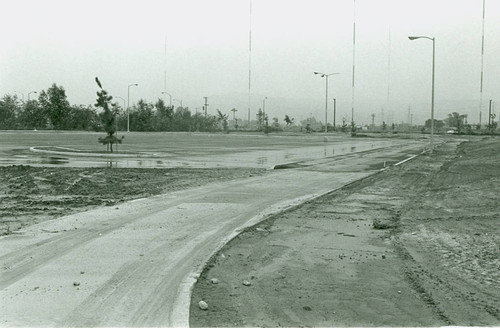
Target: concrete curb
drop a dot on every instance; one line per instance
(181, 309)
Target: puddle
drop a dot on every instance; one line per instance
(55, 160)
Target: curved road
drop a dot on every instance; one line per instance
(134, 264)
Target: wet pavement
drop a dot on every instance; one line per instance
(267, 155)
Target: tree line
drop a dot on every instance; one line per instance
(52, 111)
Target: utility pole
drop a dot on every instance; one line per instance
(334, 113)
(250, 63)
(353, 59)
(206, 105)
(482, 67)
(489, 118)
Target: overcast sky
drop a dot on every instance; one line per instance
(201, 48)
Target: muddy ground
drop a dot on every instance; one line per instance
(415, 245)
(29, 195)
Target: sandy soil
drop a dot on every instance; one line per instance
(29, 195)
(415, 245)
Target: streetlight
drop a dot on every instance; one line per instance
(180, 101)
(30, 93)
(334, 114)
(326, 102)
(164, 92)
(432, 99)
(128, 105)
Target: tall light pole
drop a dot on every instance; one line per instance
(326, 101)
(334, 113)
(264, 106)
(30, 93)
(164, 92)
(482, 66)
(353, 58)
(128, 105)
(250, 63)
(432, 98)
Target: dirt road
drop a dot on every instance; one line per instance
(133, 264)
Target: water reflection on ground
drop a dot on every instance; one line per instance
(258, 158)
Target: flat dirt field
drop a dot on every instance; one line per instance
(415, 245)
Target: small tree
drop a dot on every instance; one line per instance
(55, 106)
(493, 125)
(163, 116)
(107, 118)
(142, 116)
(260, 119)
(288, 120)
(438, 124)
(266, 124)
(8, 110)
(468, 129)
(343, 128)
(182, 119)
(223, 120)
(353, 128)
(456, 120)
